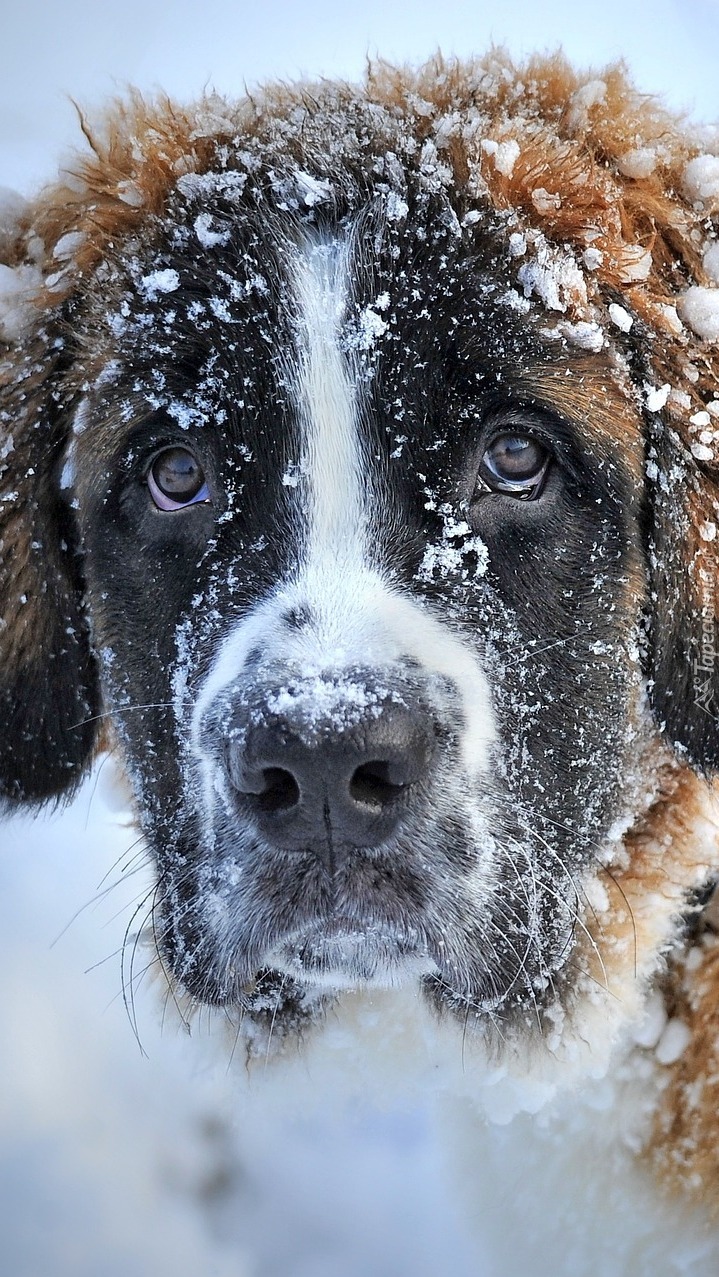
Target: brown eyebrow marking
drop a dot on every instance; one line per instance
(589, 392)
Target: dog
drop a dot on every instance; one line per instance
(359, 484)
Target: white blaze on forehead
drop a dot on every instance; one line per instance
(326, 388)
(356, 618)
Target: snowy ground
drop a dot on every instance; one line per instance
(114, 1162)
(89, 49)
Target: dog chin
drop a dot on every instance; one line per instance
(345, 955)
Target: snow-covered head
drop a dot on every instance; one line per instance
(358, 461)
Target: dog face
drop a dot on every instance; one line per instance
(385, 588)
(370, 564)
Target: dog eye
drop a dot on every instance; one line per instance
(176, 479)
(515, 465)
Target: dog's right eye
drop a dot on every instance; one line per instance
(514, 464)
(176, 479)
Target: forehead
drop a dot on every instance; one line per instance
(201, 318)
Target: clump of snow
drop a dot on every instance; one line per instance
(592, 258)
(700, 419)
(708, 531)
(544, 202)
(448, 557)
(56, 281)
(554, 276)
(710, 261)
(699, 308)
(504, 154)
(313, 190)
(434, 176)
(700, 180)
(635, 264)
(371, 326)
(323, 702)
(68, 245)
(204, 185)
(582, 101)
(129, 193)
(515, 301)
(446, 128)
(159, 281)
(673, 1043)
(637, 163)
(585, 334)
(517, 244)
(208, 237)
(12, 210)
(213, 118)
(620, 317)
(292, 475)
(669, 314)
(19, 287)
(396, 209)
(680, 398)
(701, 452)
(656, 396)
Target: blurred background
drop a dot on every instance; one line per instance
(87, 50)
(115, 1159)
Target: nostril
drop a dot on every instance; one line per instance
(279, 792)
(371, 786)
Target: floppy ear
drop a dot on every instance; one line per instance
(48, 678)
(683, 638)
(49, 686)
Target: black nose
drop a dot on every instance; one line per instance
(328, 786)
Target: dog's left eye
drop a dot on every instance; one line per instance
(515, 465)
(176, 479)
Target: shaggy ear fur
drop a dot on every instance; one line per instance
(48, 681)
(683, 649)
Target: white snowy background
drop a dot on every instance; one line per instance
(112, 1161)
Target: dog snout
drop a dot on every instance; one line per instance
(331, 781)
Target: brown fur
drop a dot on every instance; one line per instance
(684, 1145)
